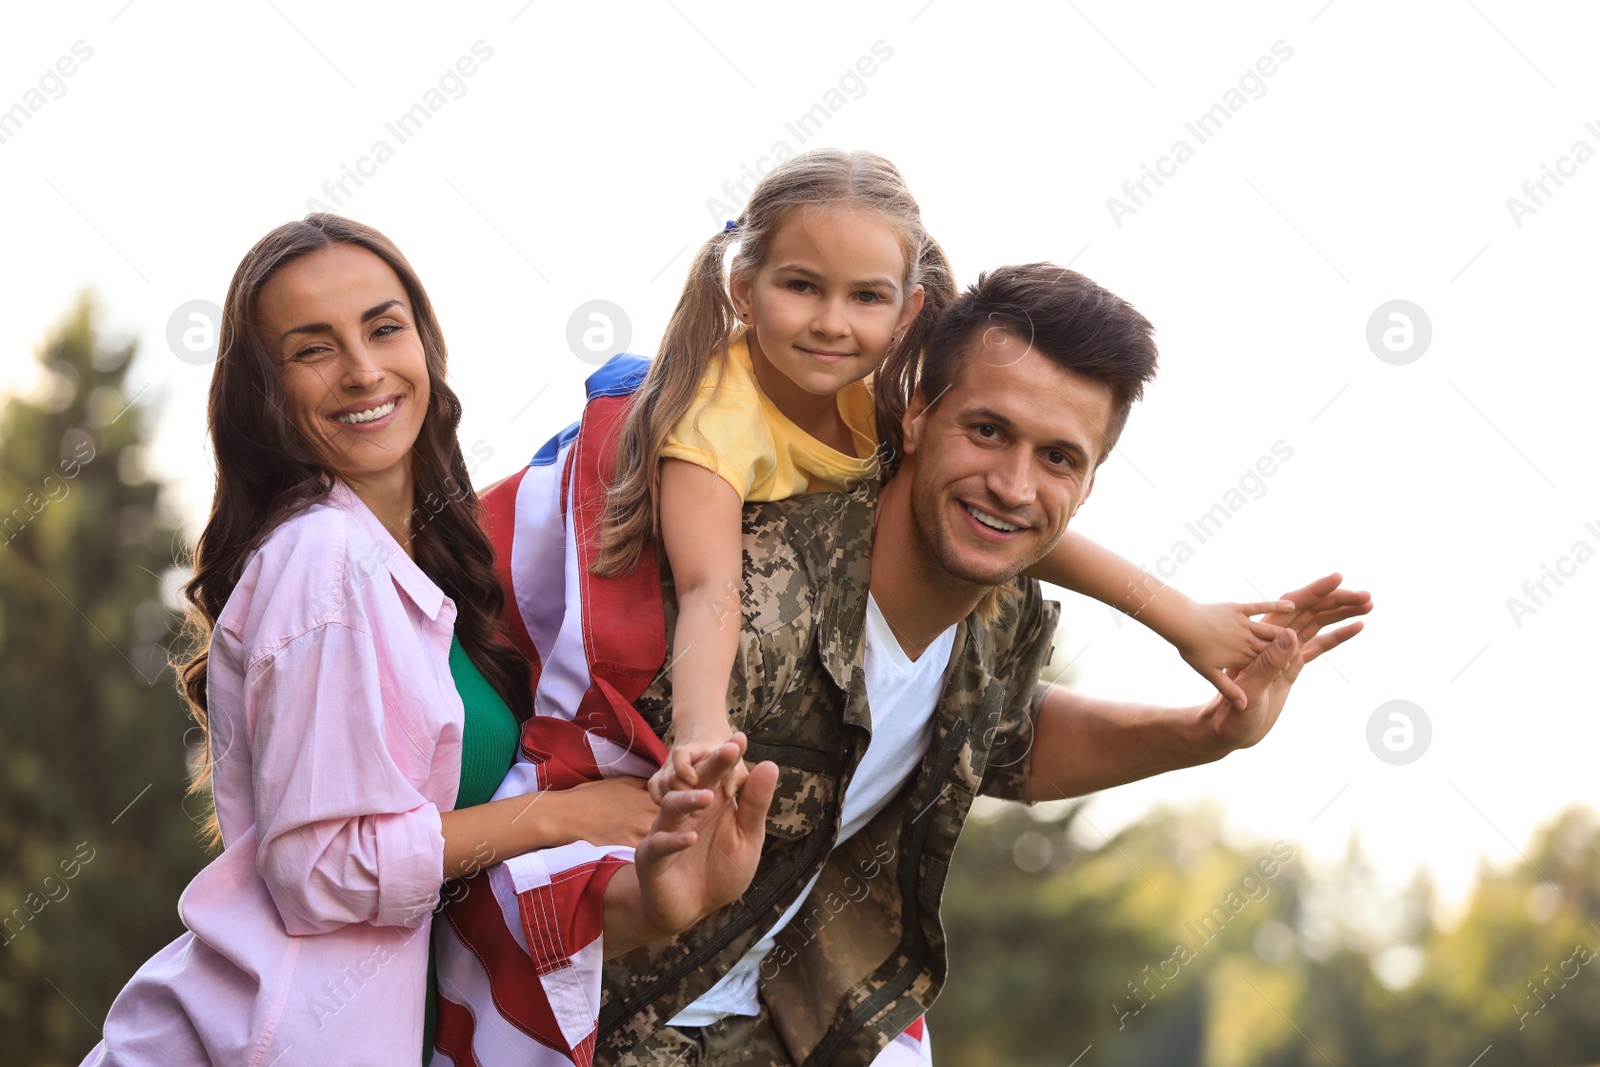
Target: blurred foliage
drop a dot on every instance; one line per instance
(96, 842)
(1167, 945)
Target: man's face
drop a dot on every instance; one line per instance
(1002, 460)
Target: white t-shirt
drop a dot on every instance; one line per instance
(901, 694)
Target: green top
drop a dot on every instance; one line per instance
(489, 736)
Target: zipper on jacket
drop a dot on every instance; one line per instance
(826, 1052)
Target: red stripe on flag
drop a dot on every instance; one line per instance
(578, 896)
(518, 994)
(560, 749)
(609, 714)
(625, 634)
(569, 913)
(454, 1034)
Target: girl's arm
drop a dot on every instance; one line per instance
(1078, 564)
(702, 535)
(1212, 638)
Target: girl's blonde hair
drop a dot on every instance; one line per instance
(703, 324)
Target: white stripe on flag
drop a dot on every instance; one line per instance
(564, 676)
(534, 869)
(574, 992)
(536, 541)
(615, 761)
(521, 780)
(502, 882)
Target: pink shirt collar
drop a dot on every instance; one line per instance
(411, 579)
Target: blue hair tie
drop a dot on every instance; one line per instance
(730, 227)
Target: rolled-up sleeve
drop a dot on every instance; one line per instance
(1008, 774)
(342, 834)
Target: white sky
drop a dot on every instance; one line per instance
(579, 161)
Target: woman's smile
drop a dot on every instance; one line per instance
(368, 416)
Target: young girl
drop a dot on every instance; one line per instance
(354, 690)
(761, 391)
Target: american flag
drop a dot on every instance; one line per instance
(519, 951)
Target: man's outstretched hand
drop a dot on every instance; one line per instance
(1267, 679)
(699, 856)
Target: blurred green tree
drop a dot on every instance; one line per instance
(1135, 948)
(1057, 946)
(1521, 971)
(92, 731)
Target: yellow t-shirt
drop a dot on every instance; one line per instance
(734, 429)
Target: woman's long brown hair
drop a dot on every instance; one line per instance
(266, 471)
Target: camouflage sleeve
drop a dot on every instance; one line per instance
(1031, 621)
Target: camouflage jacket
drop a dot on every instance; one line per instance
(867, 956)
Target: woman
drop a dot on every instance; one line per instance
(354, 689)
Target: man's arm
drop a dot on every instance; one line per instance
(1082, 744)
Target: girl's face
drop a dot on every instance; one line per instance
(340, 328)
(829, 298)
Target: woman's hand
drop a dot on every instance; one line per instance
(612, 811)
(616, 811)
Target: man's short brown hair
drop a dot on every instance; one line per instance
(1064, 316)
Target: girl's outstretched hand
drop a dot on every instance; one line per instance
(1217, 638)
(1306, 633)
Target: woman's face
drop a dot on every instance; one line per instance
(341, 330)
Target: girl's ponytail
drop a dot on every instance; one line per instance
(698, 333)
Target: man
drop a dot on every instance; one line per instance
(889, 665)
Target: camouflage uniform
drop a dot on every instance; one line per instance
(867, 957)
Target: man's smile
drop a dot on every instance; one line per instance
(990, 521)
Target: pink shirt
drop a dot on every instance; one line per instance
(336, 740)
